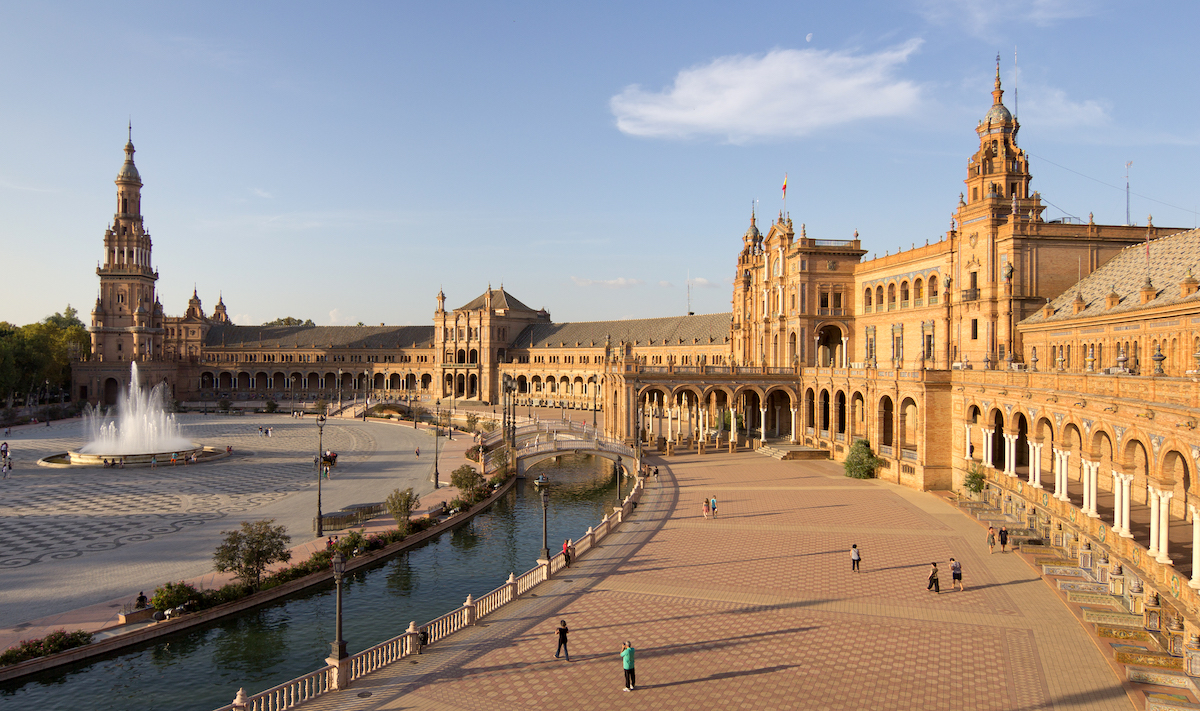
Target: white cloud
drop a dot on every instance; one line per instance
(702, 283)
(261, 193)
(666, 284)
(243, 320)
(336, 317)
(980, 17)
(1046, 107)
(786, 92)
(618, 283)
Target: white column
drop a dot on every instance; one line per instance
(1152, 503)
(733, 435)
(845, 352)
(1060, 483)
(967, 448)
(1085, 476)
(1065, 473)
(1116, 488)
(1035, 465)
(1126, 491)
(793, 425)
(1194, 583)
(762, 426)
(1164, 526)
(1010, 454)
(1094, 475)
(670, 428)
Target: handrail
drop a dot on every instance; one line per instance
(287, 695)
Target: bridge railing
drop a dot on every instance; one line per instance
(332, 678)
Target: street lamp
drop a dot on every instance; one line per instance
(320, 466)
(595, 389)
(617, 474)
(637, 405)
(339, 389)
(339, 568)
(545, 506)
(366, 396)
(292, 393)
(437, 427)
(408, 397)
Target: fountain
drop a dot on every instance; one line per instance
(142, 430)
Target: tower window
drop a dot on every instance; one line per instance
(974, 329)
(124, 205)
(974, 194)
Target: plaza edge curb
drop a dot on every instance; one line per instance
(162, 629)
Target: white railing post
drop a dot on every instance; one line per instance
(412, 639)
(239, 701)
(511, 583)
(469, 607)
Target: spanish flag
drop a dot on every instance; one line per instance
(785, 186)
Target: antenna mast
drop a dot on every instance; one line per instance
(689, 292)
(1127, 164)
(1016, 77)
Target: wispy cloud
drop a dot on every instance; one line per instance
(702, 283)
(666, 284)
(6, 185)
(1050, 108)
(784, 93)
(243, 320)
(336, 317)
(261, 193)
(618, 283)
(980, 17)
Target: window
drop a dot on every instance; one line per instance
(974, 329)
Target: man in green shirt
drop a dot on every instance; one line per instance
(627, 664)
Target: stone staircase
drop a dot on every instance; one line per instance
(791, 452)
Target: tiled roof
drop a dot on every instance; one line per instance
(641, 332)
(1170, 259)
(319, 336)
(501, 299)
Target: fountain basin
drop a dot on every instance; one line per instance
(81, 459)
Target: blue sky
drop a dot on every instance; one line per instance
(342, 162)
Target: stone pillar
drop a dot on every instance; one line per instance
(777, 421)
(1035, 465)
(670, 428)
(1086, 473)
(1164, 526)
(794, 425)
(762, 426)
(1010, 454)
(1152, 503)
(1194, 583)
(1116, 487)
(967, 446)
(1064, 467)
(987, 445)
(845, 351)
(733, 430)
(1126, 491)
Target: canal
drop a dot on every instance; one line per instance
(202, 669)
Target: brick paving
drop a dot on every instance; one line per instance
(758, 609)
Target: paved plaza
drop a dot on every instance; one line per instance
(759, 609)
(70, 538)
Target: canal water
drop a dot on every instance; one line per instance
(203, 668)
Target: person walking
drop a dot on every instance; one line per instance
(1004, 539)
(705, 509)
(956, 575)
(562, 631)
(713, 503)
(567, 552)
(627, 665)
(855, 558)
(991, 539)
(418, 452)
(933, 579)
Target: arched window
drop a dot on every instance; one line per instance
(904, 292)
(891, 296)
(918, 290)
(867, 298)
(933, 288)
(878, 297)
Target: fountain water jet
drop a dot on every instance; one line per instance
(142, 429)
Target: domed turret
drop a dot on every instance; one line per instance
(999, 113)
(129, 171)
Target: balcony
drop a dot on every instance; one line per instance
(970, 294)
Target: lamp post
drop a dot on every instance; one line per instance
(292, 393)
(637, 431)
(339, 389)
(366, 395)
(320, 466)
(617, 475)
(339, 645)
(409, 400)
(545, 506)
(595, 388)
(437, 426)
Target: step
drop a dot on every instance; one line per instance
(1082, 586)
(1169, 702)
(1112, 618)
(1124, 634)
(1063, 571)
(1161, 677)
(1139, 656)
(1084, 597)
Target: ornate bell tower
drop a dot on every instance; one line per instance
(127, 318)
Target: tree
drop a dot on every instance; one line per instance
(472, 421)
(290, 321)
(975, 479)
(66, 319)
(861, 462)
(248, 552)
(466, 479)
(401, 504)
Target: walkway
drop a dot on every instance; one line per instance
(758, 610)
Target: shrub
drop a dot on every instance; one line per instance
(171, 595)
(401, 504)
(861, 462)
(224, 405)
(472, 421)
(249, 551)
(53, 643)
(320, 406)
(488, 425)
(271, 406)
(975, 479)
(466, 479)
(473, 453)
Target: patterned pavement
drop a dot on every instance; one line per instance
(758, 609)
(72, 538)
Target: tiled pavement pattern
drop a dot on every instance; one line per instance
(78, 537)
(759, 610)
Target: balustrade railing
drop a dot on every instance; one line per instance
(286, 696)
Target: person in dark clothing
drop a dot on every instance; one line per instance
(562, 640)
(855, 558)
(1003, 539)
(933, 579)
(627, 665)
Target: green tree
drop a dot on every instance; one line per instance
(861, 462)
(401, 504)
(66, 319)
(466, 479)
(472, 421)
(290, 321)
(975, 479)
(249, 551)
